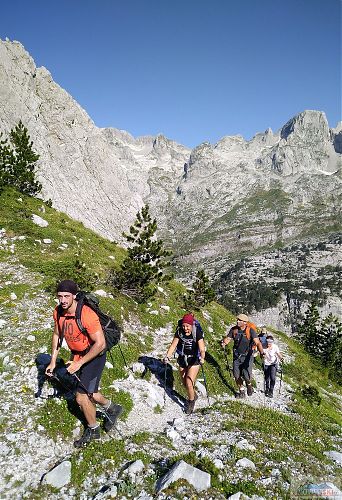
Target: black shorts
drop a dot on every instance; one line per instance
(186, 361)
(90, 375)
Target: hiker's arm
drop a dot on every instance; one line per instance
(96, 348)
(225, 341)
(54, 351)
(171, 349)
(259, 346)
(201, 347)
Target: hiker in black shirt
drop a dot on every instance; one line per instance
(189, 343)
(244, 337)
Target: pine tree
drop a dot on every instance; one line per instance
(6, 160)
(201, 294)
(331, 349)
(143, 267)
(23, 161)
(307, 330)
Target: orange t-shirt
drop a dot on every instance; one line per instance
(76, 340)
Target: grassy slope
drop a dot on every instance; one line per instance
(300, 439)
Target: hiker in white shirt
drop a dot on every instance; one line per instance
(271, 360)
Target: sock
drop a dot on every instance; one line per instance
(95, 426)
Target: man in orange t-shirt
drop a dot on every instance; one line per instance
(88, 357)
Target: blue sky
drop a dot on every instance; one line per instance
(194, 70)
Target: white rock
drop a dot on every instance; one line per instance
(59, 476)
(4, 449)
(39, 221)
(275, 472)
(2, 323)
(178, 424)
(135, 467)
(154, 312)
(31, 338)
(138, 368)
(172, 434)
(245, 463)
(218, 463)
(47, 241)
(101, 293)
(200, 388)
(108, 365)
(166, 308)
(20, 199)
(181, 470)
(334, 455)
(245, 445)
(210, 329)
(111, 257)
(160, 289)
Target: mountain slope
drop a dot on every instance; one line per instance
(216, 205)
(285, 438)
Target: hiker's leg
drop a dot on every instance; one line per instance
(88, 408)
(246, 370)
(89, 379)
(99, 398)
(267, 378)
(273, 371)
(190, 380)
(237, 374)
(182, 372)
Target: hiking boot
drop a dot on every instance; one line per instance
(112, 414)
(240, 394)
(190, 407)
(270, 394)
(249, 389)
(88, 435)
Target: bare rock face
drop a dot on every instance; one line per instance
(213, 204)
(80, 171)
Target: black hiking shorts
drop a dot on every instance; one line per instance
(242, 367)
(90, 375)
(186, 361)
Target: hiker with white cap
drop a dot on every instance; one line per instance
(244, 336)
(271, 360)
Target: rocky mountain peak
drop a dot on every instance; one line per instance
(307, 123)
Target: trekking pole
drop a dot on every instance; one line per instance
(281, 377)
(205, 383)
(165, 368)
(227, 361)
(123, 357)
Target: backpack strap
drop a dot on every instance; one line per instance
(78, 315)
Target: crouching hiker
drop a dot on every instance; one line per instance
(189, 344)
(244, 337)
(271, 361)
(88, 357)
